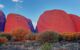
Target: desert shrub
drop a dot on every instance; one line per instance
(6, 35)
(3, 40)
(70, 36)
(19, 34)
(9, 37)
(77, 34)
(30, 36)
(46, 46)
(60, 38)
(48, 36)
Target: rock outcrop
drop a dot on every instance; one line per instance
(15, 21)
(55, 20)
(76, 20)
(2, 21)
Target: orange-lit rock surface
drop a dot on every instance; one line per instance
(55, 20)
(76, 20)
(16, 21)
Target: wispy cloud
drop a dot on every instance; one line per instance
(17, 0)
(1, 6)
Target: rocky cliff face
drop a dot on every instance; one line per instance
(31, 25)
(2, 21)
(76, 20)
(15, 21)
(55, 20)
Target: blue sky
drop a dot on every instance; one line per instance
(32, 9)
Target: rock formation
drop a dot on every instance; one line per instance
(55, 20)
(15, 21)
(76, 20)
(2, 21)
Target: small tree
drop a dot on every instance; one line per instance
(19, 34)
(48, 36)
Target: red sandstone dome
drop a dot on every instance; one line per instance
(76, 20)
(15, 21)
(55, 20)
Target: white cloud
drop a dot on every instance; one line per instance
(21, 1)
(17, 0)
(1, 6)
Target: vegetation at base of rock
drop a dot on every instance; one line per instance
(48, 36)
(43, 37)
(30, 37)
(46, 46)
(19, 34)
(68, 36)
(3, 40)
(6, 35)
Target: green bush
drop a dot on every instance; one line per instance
(69, 36)
(30, 36)
(46, 46)
(6, 35)
(48, 36)
(3, 40)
